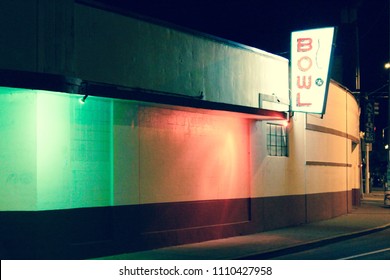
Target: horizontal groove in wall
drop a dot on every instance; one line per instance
(332, 131)
(323, 163)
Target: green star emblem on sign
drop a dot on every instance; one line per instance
(319, 82)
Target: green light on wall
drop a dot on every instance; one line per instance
(74, 151)
(55, 152)
(17, 149)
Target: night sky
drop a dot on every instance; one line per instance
(267, 25)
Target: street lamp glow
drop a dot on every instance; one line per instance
(387, 65)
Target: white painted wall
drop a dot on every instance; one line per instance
(342, 116)
(131, 52)
(278, 176)
(275, 176)
(59, 154)
(71, 39)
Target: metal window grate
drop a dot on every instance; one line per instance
(277, 140)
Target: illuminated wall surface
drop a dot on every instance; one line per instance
(138, 53)
(18, 153)
(323, 152)
(340, 148)
(146, 55)
(54, 153)
(57, 153)
(159, 166)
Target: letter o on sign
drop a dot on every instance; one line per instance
(304, 63)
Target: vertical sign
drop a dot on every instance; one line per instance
(369, 131)
(311, 52)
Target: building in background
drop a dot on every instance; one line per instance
(180, 137)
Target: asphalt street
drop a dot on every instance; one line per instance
(374, 246)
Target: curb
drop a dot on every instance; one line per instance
(310, 245)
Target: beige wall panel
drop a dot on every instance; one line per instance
(324, 179)
(326, 147)
(335, 116)
(339, 143)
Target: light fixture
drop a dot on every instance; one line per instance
(387, 65)
(82, 100)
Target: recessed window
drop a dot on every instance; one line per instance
(277, 141)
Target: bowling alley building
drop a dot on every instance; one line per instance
(122, 134)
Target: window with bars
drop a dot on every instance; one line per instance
(277, 140)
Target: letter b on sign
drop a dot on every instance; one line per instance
(304, 44)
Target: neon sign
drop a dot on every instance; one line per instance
(311, 52)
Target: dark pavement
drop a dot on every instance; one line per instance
(371, 216)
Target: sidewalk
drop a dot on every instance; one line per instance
(371, 216)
